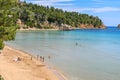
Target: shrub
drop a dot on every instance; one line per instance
(1, 78)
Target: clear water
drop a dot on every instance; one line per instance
(79, 54)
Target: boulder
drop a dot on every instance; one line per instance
(66, 27)
(118, 25)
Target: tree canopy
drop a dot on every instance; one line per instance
(7, 21)
(36, 15)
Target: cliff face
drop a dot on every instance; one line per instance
(47, 25)
(90, 26)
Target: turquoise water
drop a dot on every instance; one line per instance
(79, 54)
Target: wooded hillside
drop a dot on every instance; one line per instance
(34, 15)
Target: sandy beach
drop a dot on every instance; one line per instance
(27, 68)
(34, 29)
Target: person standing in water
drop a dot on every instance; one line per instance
(49, 57)
(76, 43)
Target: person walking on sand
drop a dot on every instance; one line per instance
(49, 57)
(37, 57)
(43, 59)
(76, 43)
(31, 58)
(40, 58)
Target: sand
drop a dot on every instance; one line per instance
(25, 69)
(34, 29)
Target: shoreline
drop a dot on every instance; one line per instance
(39, 70)
(34, 29)
(37, 29)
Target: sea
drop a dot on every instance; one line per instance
(83, 54)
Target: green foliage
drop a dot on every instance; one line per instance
(1, 44)
(33, 15)
(7, 20)
(1, 78)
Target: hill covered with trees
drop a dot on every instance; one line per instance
(33, 15)
(7, 20)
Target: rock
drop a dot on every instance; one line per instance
(66, 27)
(118, 25)
(90, 26)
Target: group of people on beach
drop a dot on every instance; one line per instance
(42, 58)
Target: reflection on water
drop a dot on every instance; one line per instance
(79, 54)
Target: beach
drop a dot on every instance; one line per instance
(27, 68)
(35, 29)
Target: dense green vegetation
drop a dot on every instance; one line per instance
(7, 20)
(1, 78)
(36, 15)
(33, 15)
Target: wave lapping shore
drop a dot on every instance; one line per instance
(27, 68)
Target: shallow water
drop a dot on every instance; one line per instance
(79, 54)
